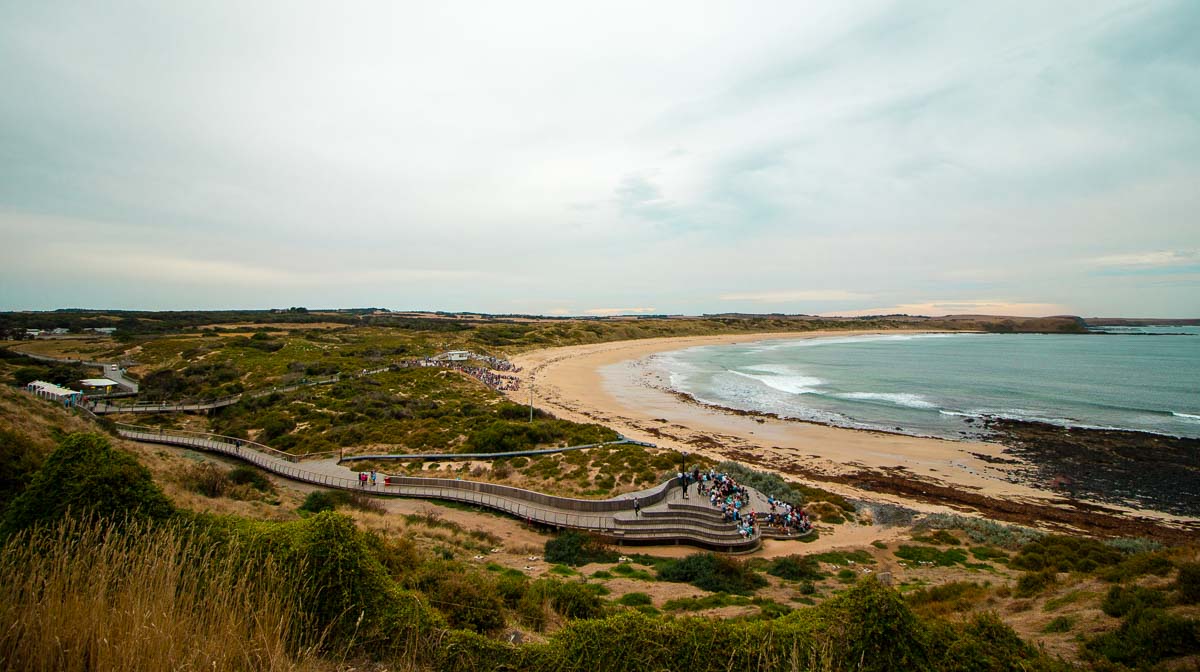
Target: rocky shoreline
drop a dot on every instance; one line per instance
(1128, 468)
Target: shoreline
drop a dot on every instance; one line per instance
(610, 384)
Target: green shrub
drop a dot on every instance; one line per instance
(1140, 564)
(318, 501)
(205, 478)
(1147, 636)
(469, 601)
(1188, 582)
(934, 556)
(711, 572)
(956, 596)
(250, 476)
(1066, 554)
(982, 531)
(571, 600)
(1032, 583)
(578, 548)
(987, 643)
(1122, 600)
(844, 557)
(635, 599)
(86, 475)
(938, 537)
(795, 568)
(20, 458)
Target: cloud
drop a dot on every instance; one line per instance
(617, 311)
(1148, 260)
(793, 296)
(430, 155)
(960, 307)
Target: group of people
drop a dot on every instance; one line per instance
(487, 376)
(365, 477)
(733, 499)
(496, 381)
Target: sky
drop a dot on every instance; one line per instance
(1020, 158)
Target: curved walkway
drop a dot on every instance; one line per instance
(666, 517)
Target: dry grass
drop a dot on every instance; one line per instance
(85, 597)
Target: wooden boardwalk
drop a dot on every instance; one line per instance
(666, 517)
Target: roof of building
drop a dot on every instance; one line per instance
(98, 382)
(51, 388)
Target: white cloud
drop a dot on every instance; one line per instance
(452, 157)
(793, 296)
(960, 307)
(1156, 259)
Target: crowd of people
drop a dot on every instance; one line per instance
(733, 499)
(487, 375)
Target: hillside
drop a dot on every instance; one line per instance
(960, 584)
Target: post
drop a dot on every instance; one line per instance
(531, 401)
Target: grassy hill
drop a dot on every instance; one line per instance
(262, 582)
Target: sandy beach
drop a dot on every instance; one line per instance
(611, 384)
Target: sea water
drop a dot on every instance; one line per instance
(1144, 379)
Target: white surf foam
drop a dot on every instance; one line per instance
(789, 384)
(1186, 417)
(906, 399)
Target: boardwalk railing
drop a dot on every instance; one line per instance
(536, 507)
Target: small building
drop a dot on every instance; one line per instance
(63, 395)
(457, 356)
(103, 385)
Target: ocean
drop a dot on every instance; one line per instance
(1143, 379)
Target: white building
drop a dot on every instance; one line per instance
(66, 396)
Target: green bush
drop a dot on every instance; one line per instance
(1066, 554)
(938, 537)
(934, 556)
(20, 458)
(795, 568)
(86, 475)
(469, 601)
(985, 643)
(205, 478)
(1032, 583)
(711, 572)
(1147, 636)
(250, 476)
(318, 501)
(1122, 600)
(1188, 582)
(635, 600)
(577, 548)
(571, 600)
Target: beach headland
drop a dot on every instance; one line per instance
(611, 384)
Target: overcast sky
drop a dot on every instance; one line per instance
(566, 158)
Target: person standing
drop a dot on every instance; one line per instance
(637, 507)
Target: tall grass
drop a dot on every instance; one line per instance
(85, 596)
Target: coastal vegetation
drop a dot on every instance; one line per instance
(329, 580)
(321, 588)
